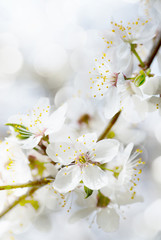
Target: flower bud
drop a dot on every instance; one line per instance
(140, 79)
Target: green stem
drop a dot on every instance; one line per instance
(109, 126)
(133, 49)
(103, 168)
(40, 182)
(17, 201)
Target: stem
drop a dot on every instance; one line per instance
(40, 182)
(133, 46)
(153, 52)
(110, 125)
(16, 202)
(107, 169)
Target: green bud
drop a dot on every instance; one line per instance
(140, 79)
(22, 131)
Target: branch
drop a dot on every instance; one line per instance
(109, 126)
(35, 186)
(16, 202)
(153, 52)
(40, 182)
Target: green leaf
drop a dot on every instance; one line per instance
(88, 191)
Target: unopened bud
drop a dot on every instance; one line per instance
(140, 79)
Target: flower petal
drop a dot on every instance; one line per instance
(89, 139)
(106, 150)
(61, 152)
(108, 220)
(63, 95)
(83, 213)
(31, 142)
(56, 120)
(94, 177)
(67, 179)
(112, 103)
(152, 86)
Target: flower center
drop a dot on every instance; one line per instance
(82, 159)
(84, 119)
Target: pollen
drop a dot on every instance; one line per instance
(140, 171)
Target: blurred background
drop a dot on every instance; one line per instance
(45, 44)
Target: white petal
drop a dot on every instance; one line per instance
(134, 135)
(152, 215)
(56, 120)
(106, 150)
(67, 179)
(134, 109)
(94, 177)
(128, 150)
(83, 213)
(31, 142)
(112, 105)
(77, 108)
(61, 152)
(63, 95)
(124, 198)
(39, 114)
(65, 134)
(108, 220)
(20, 119)
(89, 139)
(154, 103)
(152, 86)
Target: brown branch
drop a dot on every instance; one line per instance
(37, 185)
(16, 202)
(110, 125)
(40, 182)
(154, 51)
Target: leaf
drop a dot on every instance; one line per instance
(88, 191)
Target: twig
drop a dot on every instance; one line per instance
(40, 182)
(110, 125)
(16, 202)
(154, 51)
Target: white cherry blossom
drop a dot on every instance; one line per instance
(32, 127)
(81, 160)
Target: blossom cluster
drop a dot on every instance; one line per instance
(84, 146)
